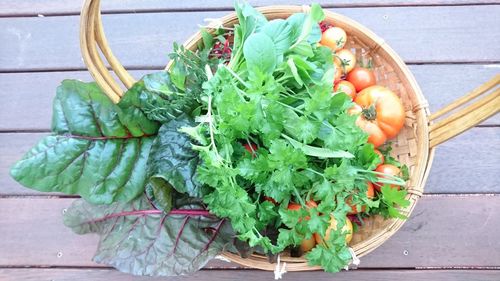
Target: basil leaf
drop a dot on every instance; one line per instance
(93, 152)
(136, 238)
(172, 162)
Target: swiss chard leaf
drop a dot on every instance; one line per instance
(94, 152)
(172, 162)
(136, 238)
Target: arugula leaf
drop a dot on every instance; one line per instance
(95, 152)
(136, 238)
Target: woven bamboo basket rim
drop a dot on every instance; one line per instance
(427, 128)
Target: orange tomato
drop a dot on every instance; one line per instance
(345, 59)
(361, 78)
(338, 72)
(383, 114)
(333, 226)
(333, 38)
(389, 170)
(346, 87)
(306, 244)
(370, 193)
(380, 156)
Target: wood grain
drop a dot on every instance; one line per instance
(143, 40)
(252, 275)
(49, 7)
(438, 234)
(467, 164)
(28, 96)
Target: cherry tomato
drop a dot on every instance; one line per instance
(266, 198)
(380, 156)
(333, 225)
(370, 193)
(338, 73)
(383, 114)
(346, 87)
(361, 78)
(295, 206)
(333, 38)
(345, 59)
(389, 170)
(306, 244)
(252, 149)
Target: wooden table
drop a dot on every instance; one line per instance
(450, 46)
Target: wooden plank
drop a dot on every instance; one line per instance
(48, 7)
(27, 99)
(28, 274)
(456, 168)
(143, 40)
(444, 231)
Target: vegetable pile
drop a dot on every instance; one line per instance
(266, 139)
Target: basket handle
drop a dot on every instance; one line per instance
(465, 117)
(93, 43)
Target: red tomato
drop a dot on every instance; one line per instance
(361, 78)
(346, 87)
(345, 59)
(370, 193)
(333, 38)
(383, 114)
(266, 198)
(389, 170)
(251, 149)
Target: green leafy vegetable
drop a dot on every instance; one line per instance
(138, 239)
(172, 162)
(94, 152)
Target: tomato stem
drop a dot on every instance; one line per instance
(370, 113)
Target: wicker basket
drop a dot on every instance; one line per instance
(414, 146)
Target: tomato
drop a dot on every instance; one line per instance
(370, 193)
(295, 206)
(266, 198)
(333, 38)
(346, 87)
(252, 149)
(389, 170)
(338, 72)
(361, 78)
(383, 114)
(346, 59)
(380, 156)
(333, 225)
(306, 244)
